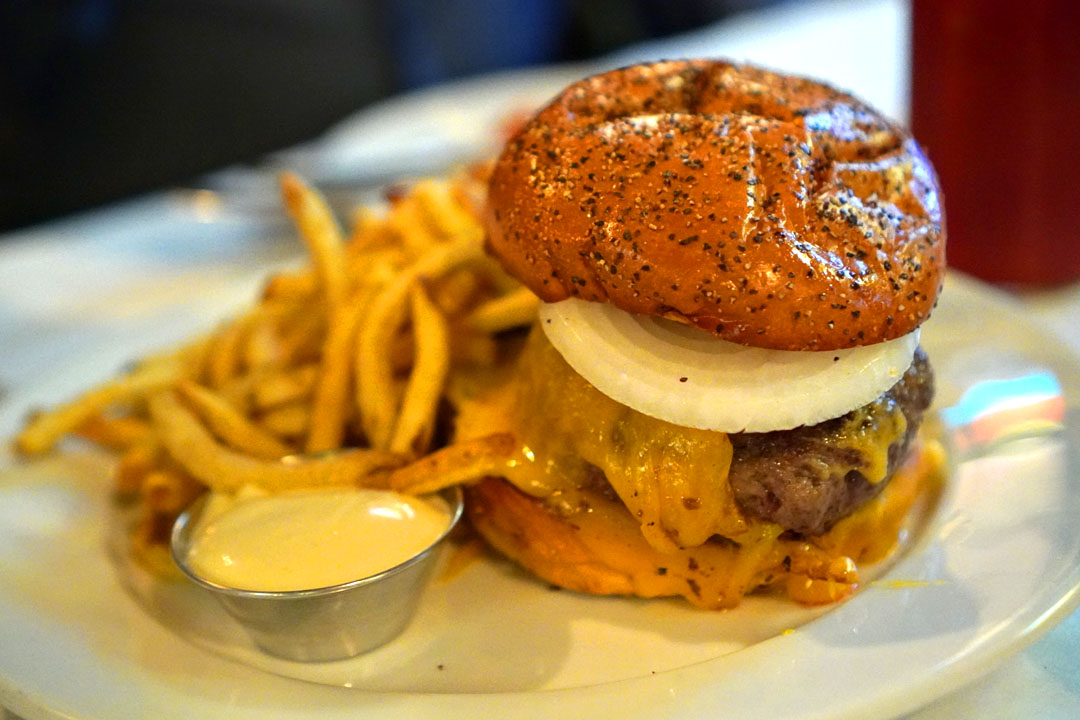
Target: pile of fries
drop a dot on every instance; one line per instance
(336, 377)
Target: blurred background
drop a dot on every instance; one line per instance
(105, 99)
(102, 99)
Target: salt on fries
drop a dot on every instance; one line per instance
(335, 376)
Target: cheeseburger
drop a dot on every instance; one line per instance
(725, 385)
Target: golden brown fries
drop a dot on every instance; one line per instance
(134, 465)
(507, 311)
(289, 422)
(464, 462)
(330, 406)
(168, 490)
(322, 236)
(337, 374)
(223, 359)
(216, 466)
(229, 424)
(378, 394)
(416, 421)
(119, 433)
(45, 429)
(284, 386)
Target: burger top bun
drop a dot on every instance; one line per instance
(769, 210)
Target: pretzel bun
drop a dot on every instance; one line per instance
(769, 210)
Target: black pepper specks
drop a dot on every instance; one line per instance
(831, 206)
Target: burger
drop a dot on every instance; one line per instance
(724, 388)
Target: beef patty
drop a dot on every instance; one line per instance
(808, 478)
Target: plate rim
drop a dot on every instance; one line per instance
(923, 688)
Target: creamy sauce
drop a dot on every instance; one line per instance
(310, 539)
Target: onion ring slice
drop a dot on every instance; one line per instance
(684, 376)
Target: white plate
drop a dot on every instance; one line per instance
(84, 637)
(997, 565)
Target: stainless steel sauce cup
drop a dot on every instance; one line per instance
(330, 623)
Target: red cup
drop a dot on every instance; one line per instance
(996, 105)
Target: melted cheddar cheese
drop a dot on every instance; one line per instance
(871, 430)
(669, 477)
(674, 527)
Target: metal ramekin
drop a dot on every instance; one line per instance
(330, 623)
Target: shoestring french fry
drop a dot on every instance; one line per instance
(455, 291)
(238, 391)
(370, 232)
(491, 270)
(289, 422)
(168, 490)
(442, 211)
(262, 347)
(246, 342)
(115, 433)
(377, 393)
(230, 425)
(45, 429)
(461, 463)
(336, 375)
(416, 421)
(219, 468)
(321, 234)
(330, 406)
(507, 311)
(301, 341)
(376, 389)
(284, 386)
(298, 286)
(223, 358)
(133, 467)
(407, 225)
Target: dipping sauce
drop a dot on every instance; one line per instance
(310, 539)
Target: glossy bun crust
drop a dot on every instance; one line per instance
(770, 210)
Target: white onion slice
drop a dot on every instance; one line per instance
(682, 375)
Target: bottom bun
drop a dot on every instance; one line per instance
(601, 550)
